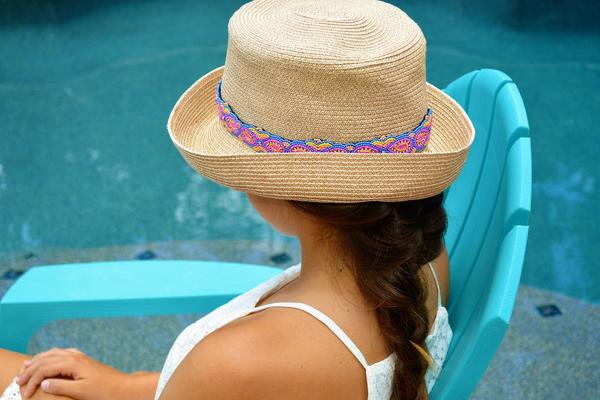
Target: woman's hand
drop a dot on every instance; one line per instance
(75, 374)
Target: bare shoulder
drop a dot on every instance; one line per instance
(220, 366)
(249, 358)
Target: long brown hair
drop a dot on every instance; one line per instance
(386, 244)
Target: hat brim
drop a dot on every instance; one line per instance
(205, 144)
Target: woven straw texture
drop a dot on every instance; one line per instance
(341, 70)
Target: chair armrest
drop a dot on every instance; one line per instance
(121, 288)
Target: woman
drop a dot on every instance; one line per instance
(323, 116)
(326, 284)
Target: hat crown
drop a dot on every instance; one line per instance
(343, 70)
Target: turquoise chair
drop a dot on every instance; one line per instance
(488, 210)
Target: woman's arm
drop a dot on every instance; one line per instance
(142, 385)
(73, 374)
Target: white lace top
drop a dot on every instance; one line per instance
(379, 374)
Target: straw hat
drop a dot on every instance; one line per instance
(348, 73)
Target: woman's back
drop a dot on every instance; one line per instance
(322, 354)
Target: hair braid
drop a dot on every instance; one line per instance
(388, 243)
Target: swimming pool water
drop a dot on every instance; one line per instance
(86, 162)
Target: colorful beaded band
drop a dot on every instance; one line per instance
(263, 141)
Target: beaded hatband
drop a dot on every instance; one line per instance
(263, 141)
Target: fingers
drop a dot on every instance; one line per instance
(48, 364)
(49, 367)
(24, 374)
(27, 368)
(55, 350)
(63, 387)
(26, 363)
(74, 350)
(41, 355)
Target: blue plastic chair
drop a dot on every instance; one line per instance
(488, 209)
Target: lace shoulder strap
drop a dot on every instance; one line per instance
(439, 295)
(325, 320)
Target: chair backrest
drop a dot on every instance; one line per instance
(488, 211)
